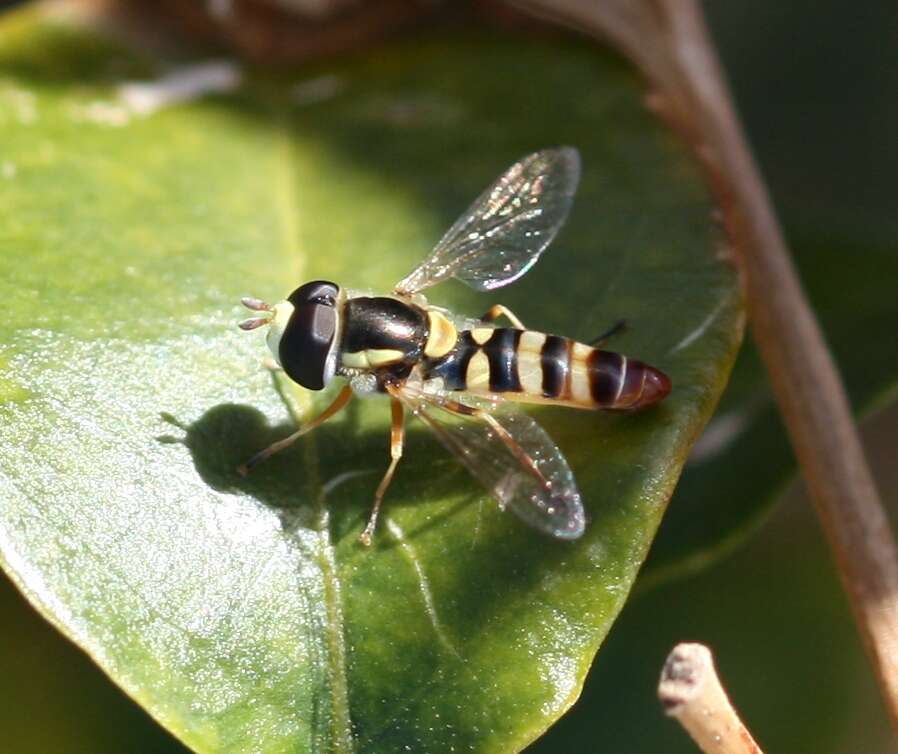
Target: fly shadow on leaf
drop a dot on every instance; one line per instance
(483, 548)
(336, 465)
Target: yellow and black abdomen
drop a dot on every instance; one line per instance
(529, 366)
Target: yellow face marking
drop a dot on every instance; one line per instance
(478, 375)
(530, 370)
(580, 391)
(282, 313)
(481, 335)
(442, 335)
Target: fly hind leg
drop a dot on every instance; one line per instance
(503, 434)
(502, 311)
(615, 329)
(397, 438)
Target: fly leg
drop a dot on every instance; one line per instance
(615, 329)
(339, 402)
(503, 434)
(397, 436)
(271, 365)
(499, 311)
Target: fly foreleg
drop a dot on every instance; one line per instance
(502, 311)
(339, 402)
(397, 438)
(271, 365)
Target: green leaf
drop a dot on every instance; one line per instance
(243, 614)
(717, 506)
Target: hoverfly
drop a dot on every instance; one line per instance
(455, 373)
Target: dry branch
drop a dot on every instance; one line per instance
(691, 692)
(667, 40)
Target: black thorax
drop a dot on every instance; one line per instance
(384, 324)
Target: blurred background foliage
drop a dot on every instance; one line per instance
(815, 86)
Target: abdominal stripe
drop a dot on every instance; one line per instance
(606, 374)
(502, 352)
(547, 366)
(555, 360)
(512, 360)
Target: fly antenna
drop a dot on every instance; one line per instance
(256, 304)
(253, 323)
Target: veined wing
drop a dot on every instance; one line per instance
(510, 454)
(503, 233)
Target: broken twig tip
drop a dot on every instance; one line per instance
(691, 692)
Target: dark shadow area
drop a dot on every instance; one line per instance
(341, 470)
(343, 458)
(335, 462)
(57, 696)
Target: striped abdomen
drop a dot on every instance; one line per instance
(530, 366)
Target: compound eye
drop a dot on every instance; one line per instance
(307, 349)
(317, 292)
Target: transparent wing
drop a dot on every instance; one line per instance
(513, 458)
(502, 234)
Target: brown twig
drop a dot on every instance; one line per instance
(691, 692)
(669, 43)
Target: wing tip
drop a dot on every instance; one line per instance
(564, 516)
(567, 154)
(574, 527)
(569, 158)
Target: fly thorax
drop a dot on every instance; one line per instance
(380, 332)
(276, 327)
